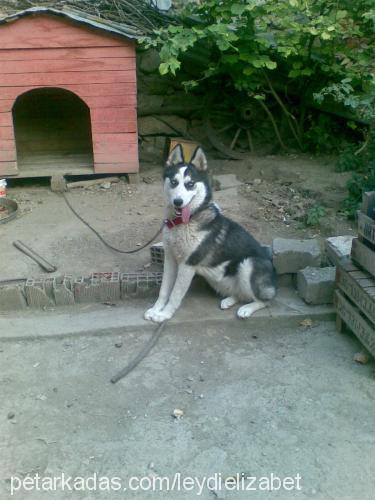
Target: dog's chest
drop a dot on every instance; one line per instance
(183, 240)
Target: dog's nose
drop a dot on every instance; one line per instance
(178, 202)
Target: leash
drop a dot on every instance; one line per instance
(101, 237)
(141, 355)
(158, 331)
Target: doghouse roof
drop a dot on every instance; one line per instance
(78, 17)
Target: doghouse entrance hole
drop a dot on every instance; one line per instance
(53, 132)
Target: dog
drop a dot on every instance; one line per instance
(199, 239)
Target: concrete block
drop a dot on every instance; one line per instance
(39, 293)
(12, 297)
(338, 248)
(316, 285)
(140, 284)
(63, 290)
(289, 256)
(268, 249)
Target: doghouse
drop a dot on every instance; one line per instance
(67, 95)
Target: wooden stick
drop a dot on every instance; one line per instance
(33, 255)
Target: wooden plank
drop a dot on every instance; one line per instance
(359, 295)
(100, 139)
(362, 328)
(113, 115)
(8, 168)
(73, 77)
(69, 53)
(363, 256)
(368, 204)
(117, 101)
(83, 90)
(121, 127)
(53, 32)
(129, 165)
(366, 227)
(62, 65)
(6, 105)
(6, 120)
(8, 155)
(6, 132)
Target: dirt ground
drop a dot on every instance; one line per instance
(271, 203)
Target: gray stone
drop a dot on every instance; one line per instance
(226, 181)
(58, 183)
(162, 125)
(338, 248)
(289, 256)
(286, 280)
(12, 298)
(316, 285)
(148, 61)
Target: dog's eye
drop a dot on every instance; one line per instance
(190, 184)
(174, 183)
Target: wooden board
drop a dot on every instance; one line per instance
(360, 291)
(363, 256)
(47, 31)
(62, 78)
(56, 66)
(361, 327)
(82, 90)
(41, 54)
(366, 228)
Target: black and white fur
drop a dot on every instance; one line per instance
(210, 245)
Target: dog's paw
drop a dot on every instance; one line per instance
(156, 315)
(227, 302)
(247, 310)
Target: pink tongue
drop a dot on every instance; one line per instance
(185, 214)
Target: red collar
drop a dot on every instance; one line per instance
(171, 223)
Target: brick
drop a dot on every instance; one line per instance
(12, 298)
(109, 286)
(39, 293)
(289, 256)
(157, 253)
(140, 284)
(316, 285)
(63, 291)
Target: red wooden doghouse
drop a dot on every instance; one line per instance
(67, 95)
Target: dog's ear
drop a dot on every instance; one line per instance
(176, 156)
(199, 159)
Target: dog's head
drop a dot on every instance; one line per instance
(186, 185)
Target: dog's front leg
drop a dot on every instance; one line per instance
(168, 281)
(185, 275)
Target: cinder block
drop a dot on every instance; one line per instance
(338, 248)
(289, 256)
(139, 284)
(12, 298)
(63, 290)
(316, 285)
(268, 250)
(39, 293)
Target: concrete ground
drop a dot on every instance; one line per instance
(278, 393)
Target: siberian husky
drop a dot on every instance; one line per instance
(198, 239)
